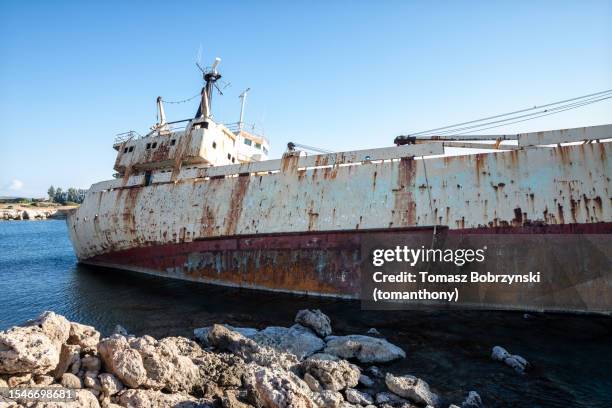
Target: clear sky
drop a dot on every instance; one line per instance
(340, 75)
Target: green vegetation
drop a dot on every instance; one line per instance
(72, 196)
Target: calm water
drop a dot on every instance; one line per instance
(571, 355)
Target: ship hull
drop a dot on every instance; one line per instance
(300, 224)
(331, 264)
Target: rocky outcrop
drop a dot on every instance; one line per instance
(271, 368)
(315, 320)
(31, 214)
(365, 349)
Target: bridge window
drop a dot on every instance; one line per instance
(131, 149)
(248, 142)
(258, 145)
(214, 145)
(229, 156)
(148, 146)
(172, 142)
(154, 145)
(125, 150)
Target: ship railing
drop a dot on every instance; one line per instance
(247, 127)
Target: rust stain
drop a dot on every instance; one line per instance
(235, 206)
(404, 204)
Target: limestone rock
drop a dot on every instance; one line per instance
(313, 383)
(27, 350)
(412, 388)
(499, 353)
(165, 367)
(366, 349)
(366, 381)
(109, 384)
(91, 363)
(332, 375)
(119, 329)
(156, 399)
(224, 370)
(201, 334)
(54, 326)
(16, 380)
(281, 389)
(83, 399)
(297, 340)
(247, 349)
(123, 361)
(69, 356)
(473, 400)
(357, 397)
(43, 380)
(85, 336)
(315, 320)
(518, 363)
(390, 399)
(71, 381)
(328, 399)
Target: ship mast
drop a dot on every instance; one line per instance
(210, 77)
(242, 97)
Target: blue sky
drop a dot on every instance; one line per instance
(339, 75)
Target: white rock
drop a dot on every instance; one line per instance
(499, 353)
(313, 383)
(27, 350)
(280, 389)
(249, 350)
(123, 361)
(473, 400)
(412, 388)
(54, 326)
(332, 375)
(155, 399)
(297, 340)
(366, 349)
(328, 399)
(71, 381)
(357, 397)
(517, 362)
(165, 367)
(110, 384)
(389, 398)
(315, 320)
(69, 356)
(85, 336)
(201, 334)
(366, 381)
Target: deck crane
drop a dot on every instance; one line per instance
(291, 147)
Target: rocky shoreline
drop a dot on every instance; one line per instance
(18, 214)
(304, 365)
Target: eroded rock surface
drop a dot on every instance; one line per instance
(316, 320)
(365, 349)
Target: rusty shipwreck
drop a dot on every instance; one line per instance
(203, 203)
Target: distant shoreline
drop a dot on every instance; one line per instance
(18, 212)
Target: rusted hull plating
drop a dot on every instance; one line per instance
(168, 227)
